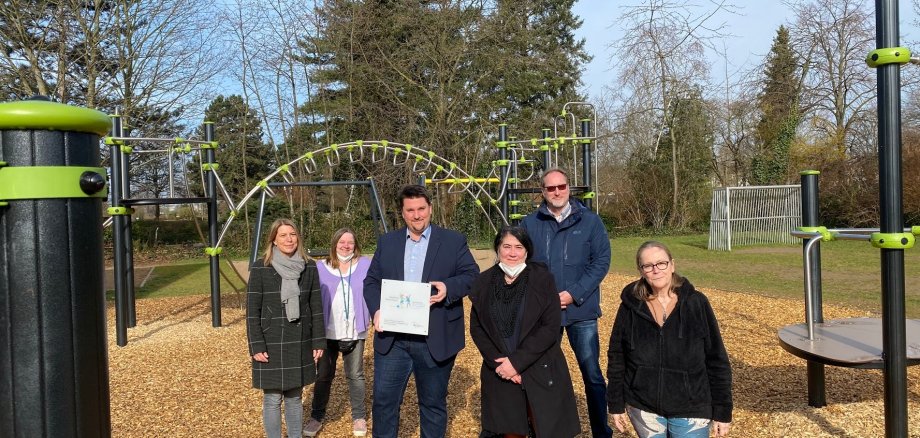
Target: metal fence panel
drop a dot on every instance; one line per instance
(754, 215)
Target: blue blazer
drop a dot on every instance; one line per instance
(449, 260)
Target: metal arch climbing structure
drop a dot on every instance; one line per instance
(377, 151)
(515, 158)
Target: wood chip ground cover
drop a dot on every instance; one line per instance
(180, 377)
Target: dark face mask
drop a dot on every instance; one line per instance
(346, 347)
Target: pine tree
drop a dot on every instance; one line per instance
(779, 105)
(243, 158)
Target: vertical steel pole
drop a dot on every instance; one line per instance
(128, 235)
(894, 335)
(586, 162)
(547, 158)
(817, 395)
(119, 247)
(212, 228)
(502, 174)
(375, 197)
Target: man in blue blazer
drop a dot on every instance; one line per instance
(420, 252)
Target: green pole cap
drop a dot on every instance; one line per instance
(810, 172)
(52, 116)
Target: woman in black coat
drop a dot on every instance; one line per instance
(667, 369)
(514, 323)
(284, 324)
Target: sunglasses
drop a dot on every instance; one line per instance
(552, 189)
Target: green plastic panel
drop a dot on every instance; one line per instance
(45, 182)
(52, 116)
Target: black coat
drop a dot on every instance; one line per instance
(289, 345)
(680, 369)
(547, 385)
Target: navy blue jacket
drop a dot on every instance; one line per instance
(577, 252)
(449, 260)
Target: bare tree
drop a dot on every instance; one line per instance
(834, 37)
(668, 40)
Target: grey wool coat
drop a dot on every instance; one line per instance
(289, 345)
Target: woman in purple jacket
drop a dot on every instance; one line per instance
(341, 278)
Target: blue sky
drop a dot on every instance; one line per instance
(752, 33)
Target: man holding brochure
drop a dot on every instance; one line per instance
(418, 253)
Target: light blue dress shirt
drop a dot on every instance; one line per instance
(414, 258)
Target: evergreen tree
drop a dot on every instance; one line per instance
(244, 159)
(780, 116)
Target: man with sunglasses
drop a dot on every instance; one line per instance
(572, 241)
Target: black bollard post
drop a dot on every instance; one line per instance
(54, 377)
(817, 395)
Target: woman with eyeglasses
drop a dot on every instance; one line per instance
(667, 367)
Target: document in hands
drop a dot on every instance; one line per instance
(404, 306)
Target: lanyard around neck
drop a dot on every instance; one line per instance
(347, 294)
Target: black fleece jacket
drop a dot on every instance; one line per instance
(678, 370)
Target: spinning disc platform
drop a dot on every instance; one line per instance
(853, 343)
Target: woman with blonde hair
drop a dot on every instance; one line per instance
(341, 278)
(284, 320)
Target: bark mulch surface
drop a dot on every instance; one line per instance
(178, 376)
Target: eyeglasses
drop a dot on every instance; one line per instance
(661, 266)
(552, 189)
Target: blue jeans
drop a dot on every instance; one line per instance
(649, 425)
(409, 355)
(584, 341)
(293, 412)
(354, 374)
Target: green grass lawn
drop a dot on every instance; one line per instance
(190, 278)
(850, 271)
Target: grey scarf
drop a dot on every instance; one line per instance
(289, 268)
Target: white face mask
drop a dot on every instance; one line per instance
(345, 258)
(512, 271)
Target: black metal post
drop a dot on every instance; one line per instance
(502, 174)
(894, 335)
(586, 161)
(54, 379)
(817, 394)
(375, 197)
(547, 157)
(130, 296)
(212, 228)
(119, 248)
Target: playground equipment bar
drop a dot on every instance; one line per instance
(156, 140)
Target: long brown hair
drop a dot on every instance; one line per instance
(641, 289)
(267, 255)
(333, 258)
